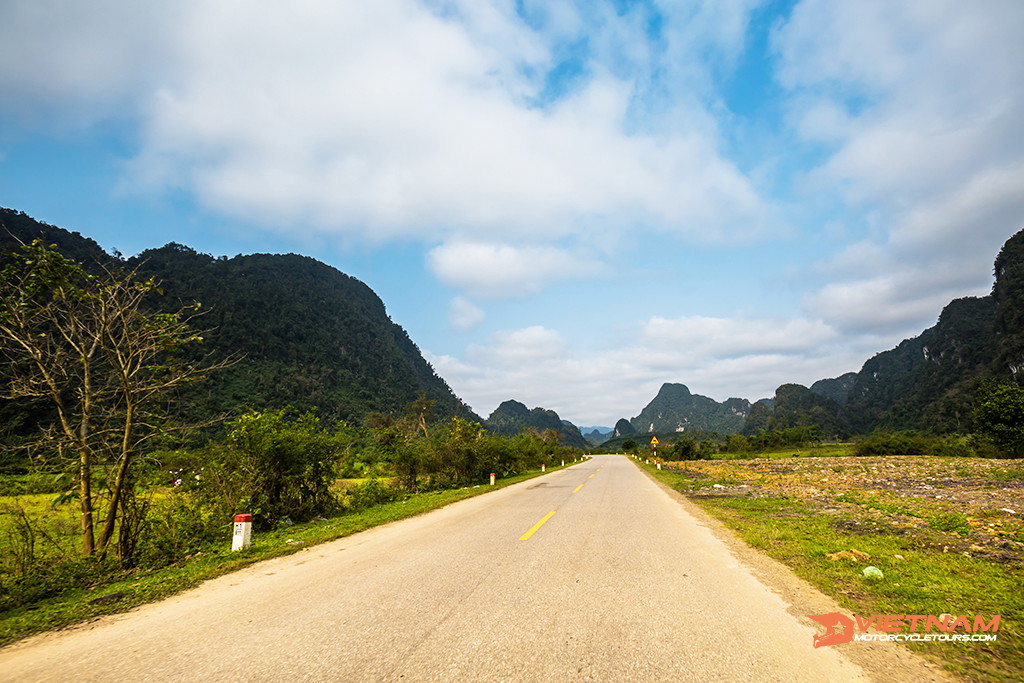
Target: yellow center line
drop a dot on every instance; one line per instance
(577, 488)
(591, 476)
(536, 526)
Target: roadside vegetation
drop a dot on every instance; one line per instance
(945, 532)
(107, 499)
(62, 590)
(804, 441)
(304, 483)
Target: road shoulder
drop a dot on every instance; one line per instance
(883, 661)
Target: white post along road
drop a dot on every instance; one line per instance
(591, 573)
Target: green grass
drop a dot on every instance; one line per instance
(132, 589)
(921, 574)
(877, 502)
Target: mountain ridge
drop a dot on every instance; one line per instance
(927, 382)
(676, 409)
(511, 417)
(308, 336)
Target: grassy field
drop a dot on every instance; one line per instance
(946, 533)
(84, 600)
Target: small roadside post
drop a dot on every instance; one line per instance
(243, 532)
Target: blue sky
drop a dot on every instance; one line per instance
(567, 203)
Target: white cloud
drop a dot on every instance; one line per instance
(441, 122)
(878, 305)
(534, 345)
(918, 104)
(386, 120)
(464, 315)
(716, 357)
(69, 63)
(726, 338)
(501, 270)
(399, 119)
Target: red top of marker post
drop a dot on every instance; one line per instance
(243, 518)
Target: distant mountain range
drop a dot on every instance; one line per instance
(596, 435)
(926, 383)
(512, 417)
(310, 336)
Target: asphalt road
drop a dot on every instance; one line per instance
(620, 583)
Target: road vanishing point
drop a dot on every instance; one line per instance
(590, 573)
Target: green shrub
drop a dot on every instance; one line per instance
(912, 443)
(367, 494)
(53, 579)
(278, 467)
(181, 524)
(895, 443)
(999, 414)
(33, 482)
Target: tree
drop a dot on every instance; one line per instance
(999, 414)
(686, 449)
(87, 344)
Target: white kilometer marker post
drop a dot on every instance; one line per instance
(243, 532)
(492, 478)
(542, 468)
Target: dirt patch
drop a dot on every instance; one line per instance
(966, 505)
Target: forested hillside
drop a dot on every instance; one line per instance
(303, 334)
(308, 335)
(930, 382)
(17, 228)
(675, 409)
(797, 406)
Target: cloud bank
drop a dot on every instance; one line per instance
(531, 146)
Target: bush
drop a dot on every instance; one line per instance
(912, 443)
(53, 579)
(894, 443)
(33, 482)
(999, 415)
(284, 468)
(367, 494)
(690, 449)
(182, 524)
(790, 437)
(687, 449)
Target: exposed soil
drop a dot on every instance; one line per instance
(964, 505)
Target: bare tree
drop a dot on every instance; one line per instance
(87, 344)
